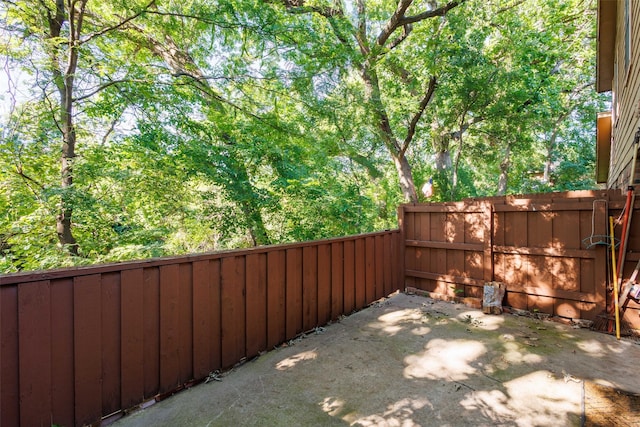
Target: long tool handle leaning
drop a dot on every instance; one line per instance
(615, 278)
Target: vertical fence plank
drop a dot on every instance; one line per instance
(360, 269)
(370, 270)
(293, 293)
(202, 344)
(233, 310)
(256, 304)
(379, 267)
(131, 330)
(349, 276)
(110, 322)
(185, 328)
(151, 328)
(388, 263)
(337, 279)
(309, 287)
(88, 348)
(34, 331)
(324, 284)
(9, 359)
(276, 298)
(216, 315)
(61, 350)
(169, 328)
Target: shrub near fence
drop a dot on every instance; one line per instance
(537, 245)
(77, 345)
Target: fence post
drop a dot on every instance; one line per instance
(401, 249)
(487, 208)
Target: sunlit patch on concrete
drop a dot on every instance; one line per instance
(292, 361)
(400, 414)
(332, 406)
(392, 323)
(514, 355)
(421, 331)
(444, 359)
(522, 399)
(488, 323)
(593, 347)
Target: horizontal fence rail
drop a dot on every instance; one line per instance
(77, 345)
(547, 249)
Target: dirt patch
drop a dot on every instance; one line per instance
(608, 406)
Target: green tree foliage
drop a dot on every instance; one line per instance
(147, 128)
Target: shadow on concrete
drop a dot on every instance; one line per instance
(412, 361)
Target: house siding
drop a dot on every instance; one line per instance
(626, 96)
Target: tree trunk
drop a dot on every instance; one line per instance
(405, 174)
(64, 81)
(504, 172)
(407, 186)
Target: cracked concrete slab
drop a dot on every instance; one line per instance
(413, 361)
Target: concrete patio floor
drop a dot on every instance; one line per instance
(413, 361)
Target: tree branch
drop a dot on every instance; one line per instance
(118, 25)
(416, 117)
(441, 11)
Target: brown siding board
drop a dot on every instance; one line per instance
(309, 287)
(110, 300)
(256, 304)
(9, 357)
(88, 348)
(62, 387)
(34, 317)
(169, 328)
(185, 325)
(324, 284)
(337, 279)
(360, 279)
(132, 332)
(349, 276)
(293, 293)
(276, 298)
(151, 330)
(233, 310)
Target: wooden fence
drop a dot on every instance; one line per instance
(77, 345)
(549, 249)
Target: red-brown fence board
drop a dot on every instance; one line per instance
(132, 333)
(233, 314)
(87, 316)
(256, 294)
(169, 327)
(293, 293)
(349, 276)
(337, 280)
(79, 344)
(111, 338)
(34, 330)
(534, 244)
(324, 283)
(62, 386)
(185, 322)
(151, 330)
(309, 287)
(276, 314)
